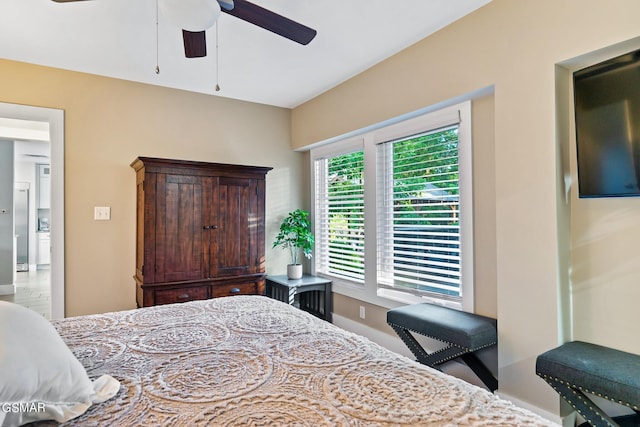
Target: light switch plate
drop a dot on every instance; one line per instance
(102, 213)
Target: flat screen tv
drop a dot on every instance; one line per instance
(607, 114)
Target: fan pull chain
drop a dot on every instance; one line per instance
(157, 42)
(217, 62)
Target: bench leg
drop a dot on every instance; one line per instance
(448, 353)
(591, 412)
(480, 370)
(429, 359)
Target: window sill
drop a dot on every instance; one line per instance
(386, 298)
(408, 298)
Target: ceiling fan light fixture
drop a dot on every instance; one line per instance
(226, 4)
(191, 15)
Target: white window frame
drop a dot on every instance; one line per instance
(368, 140)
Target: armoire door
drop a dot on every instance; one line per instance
(235, 249)
(180, 236)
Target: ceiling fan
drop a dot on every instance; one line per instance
(198, 15)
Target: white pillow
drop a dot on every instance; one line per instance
(40, 379)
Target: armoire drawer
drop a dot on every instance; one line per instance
(169, 296)
(226, 290)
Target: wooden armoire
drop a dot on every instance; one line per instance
(200, 230)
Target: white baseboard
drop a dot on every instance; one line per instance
(7, 289)
(387, 341)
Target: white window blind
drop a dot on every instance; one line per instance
(418, 214)
(339, 216)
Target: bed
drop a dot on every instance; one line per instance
(251, 360)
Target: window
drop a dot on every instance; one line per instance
(393, 211)
(419, 214)
(339, 216)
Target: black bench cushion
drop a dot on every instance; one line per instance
(465, 330)
(609, 373)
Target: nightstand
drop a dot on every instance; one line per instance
(310, 293)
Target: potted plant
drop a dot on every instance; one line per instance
(295, 235)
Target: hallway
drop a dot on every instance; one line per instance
(33, 290)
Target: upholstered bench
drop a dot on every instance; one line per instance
(576, 368)
(464, 333)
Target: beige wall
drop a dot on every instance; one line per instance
(514, 46)
(108, 123)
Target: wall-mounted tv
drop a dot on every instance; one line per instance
(607, 114)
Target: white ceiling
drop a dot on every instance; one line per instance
(117, 38)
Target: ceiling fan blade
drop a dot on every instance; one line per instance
(271, 21)
(195, 43)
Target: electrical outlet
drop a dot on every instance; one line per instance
(102, 213)
(362, 312)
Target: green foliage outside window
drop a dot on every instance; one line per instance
(425, 199)
(426, 179)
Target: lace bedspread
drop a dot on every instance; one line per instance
(250, 360)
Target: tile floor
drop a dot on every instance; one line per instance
(33, 290)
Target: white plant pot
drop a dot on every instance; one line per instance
(294, 271)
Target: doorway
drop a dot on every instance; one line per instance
(17, 122)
